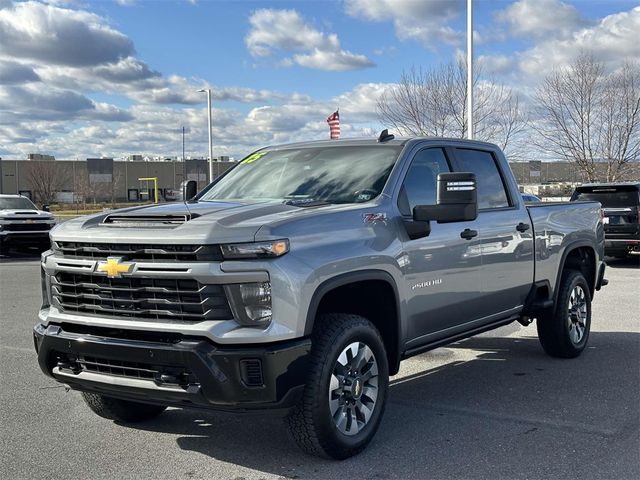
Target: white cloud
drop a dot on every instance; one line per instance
(497, 64)
(426, 22)
(16, 73)
(332, 60)
(359, 104)
(50, 34)
(27, 103)
(287, 31)
(156, 130)
(612, 40)
(541, 18)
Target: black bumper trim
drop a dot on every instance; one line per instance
(216, 368)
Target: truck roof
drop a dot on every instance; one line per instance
(368, 141)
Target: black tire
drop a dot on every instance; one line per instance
(121, 410)
(311, 422)
(558, 330)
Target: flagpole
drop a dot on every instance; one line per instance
(470, 69)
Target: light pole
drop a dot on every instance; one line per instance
(208, 90)
(470, 69)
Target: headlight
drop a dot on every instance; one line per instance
(270, 249)
(250, 303)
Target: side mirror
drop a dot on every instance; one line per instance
(190, 190)
(457, 200)
(45, 208)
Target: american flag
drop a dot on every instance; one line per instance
(334, 125)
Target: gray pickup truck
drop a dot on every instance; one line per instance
(301, 279)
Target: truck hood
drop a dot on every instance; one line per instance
(24, 213)
(195, 223)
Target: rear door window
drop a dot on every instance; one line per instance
(491, 189)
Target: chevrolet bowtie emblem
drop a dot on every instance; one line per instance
(114, 267)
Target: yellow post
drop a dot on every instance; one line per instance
(155, 186)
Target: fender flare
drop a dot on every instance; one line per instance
(570, 248)
(354, 277)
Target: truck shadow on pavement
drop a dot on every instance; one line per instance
(629, 262)
(499, 408)
(21, 255)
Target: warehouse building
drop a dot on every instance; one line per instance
(102, 179)
(106, 180)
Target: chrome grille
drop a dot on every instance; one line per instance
(140, 298)
(139, 251)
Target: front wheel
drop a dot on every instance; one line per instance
(346, 392)
(565, 331)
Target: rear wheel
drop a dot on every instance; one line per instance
(564, 332)
(346, 392)
(121, 410)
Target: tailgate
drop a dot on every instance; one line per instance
(621, 222)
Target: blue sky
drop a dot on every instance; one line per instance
(86, 78)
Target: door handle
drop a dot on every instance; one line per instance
(468, 234)
(522, 227)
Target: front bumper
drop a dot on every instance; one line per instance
(185, 372)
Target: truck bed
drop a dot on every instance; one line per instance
(557, 225)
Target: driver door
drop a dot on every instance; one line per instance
(442, 270)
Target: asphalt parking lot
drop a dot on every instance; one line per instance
(493, 406)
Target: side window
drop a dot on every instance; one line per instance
(491, 191)
(419, 187)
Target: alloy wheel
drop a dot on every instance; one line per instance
(353, 389)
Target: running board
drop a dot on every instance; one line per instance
(460, 336)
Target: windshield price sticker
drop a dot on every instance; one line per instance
(254, 157)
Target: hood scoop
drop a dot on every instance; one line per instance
(148, 221)
(28, 212)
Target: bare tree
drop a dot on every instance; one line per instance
(117, 179)
(434, 103)
(45, 179)
(588, 116)
(82, 188)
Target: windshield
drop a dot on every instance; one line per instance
(610, 197)
(324, 174)
(16, 203)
